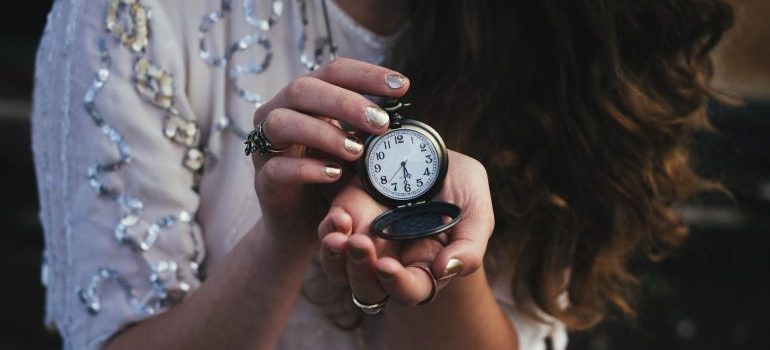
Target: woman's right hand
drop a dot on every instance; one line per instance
(304, 118)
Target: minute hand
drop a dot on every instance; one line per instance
(394, 174)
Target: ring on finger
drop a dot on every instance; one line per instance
(371, 309)
(258, 142)
(434, 283)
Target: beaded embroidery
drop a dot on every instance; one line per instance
(131, 229)
(127, 20)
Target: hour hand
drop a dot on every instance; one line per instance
(406, 172)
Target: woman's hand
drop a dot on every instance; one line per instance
(303, 118)
(375, 268)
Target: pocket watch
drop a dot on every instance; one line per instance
(403, 169)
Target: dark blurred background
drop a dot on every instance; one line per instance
(713, 294)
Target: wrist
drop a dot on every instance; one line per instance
(282, 244)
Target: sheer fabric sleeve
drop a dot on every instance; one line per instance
(116, 153)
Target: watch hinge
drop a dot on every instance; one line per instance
(410, 204)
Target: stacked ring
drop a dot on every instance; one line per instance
(371, 309)
(258, 142)
(434, 287)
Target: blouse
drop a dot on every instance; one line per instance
(140, 111)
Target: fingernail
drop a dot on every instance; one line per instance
(334, 254)
(353, 145)
(453, 268)
(376, 117)
(332, 170)
(357, 253)
(387, 277)
(395, 81)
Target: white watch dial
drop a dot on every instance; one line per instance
(403, 164)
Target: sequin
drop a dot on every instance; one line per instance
(181, 131)
(322, 44)
(131, 229)
(206, 24)
(90, 296)
(194, 159)
(276, 9)
(127, 20)
(242, 44)
(95, 172)
(251, 68)
(153, 83)
(156, 85)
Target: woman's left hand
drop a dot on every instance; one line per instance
(375, 268)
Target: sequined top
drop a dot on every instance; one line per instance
(140, 110)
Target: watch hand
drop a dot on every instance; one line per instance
(394, 174)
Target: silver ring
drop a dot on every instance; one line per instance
(371, 309)
(258, 142)
(434, 286)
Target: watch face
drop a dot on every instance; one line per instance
(405, 163)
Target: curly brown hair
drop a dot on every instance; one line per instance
(583, 113)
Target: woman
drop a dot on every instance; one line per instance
(580, 112)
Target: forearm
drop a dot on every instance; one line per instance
(465, 315)
(244, 302)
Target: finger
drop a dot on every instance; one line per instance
(278, 171)
(360, 207)
(405, 285)
(361, 261)
(286, 127)
(314, 96)
(337, 220)
(465, 253)
(365, 78)
(332, 259)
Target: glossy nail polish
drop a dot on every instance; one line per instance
(353, 144)
(453, 268)
(332, 170)
(376, 116)
(395, 81)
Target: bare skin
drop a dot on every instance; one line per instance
(465, 314)
(380, 16)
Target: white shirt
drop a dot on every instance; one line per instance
(127, 235)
